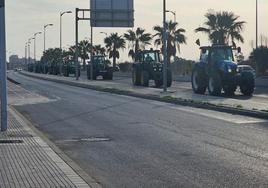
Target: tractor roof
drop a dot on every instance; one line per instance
(215, 46)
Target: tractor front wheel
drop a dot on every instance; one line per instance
(145, 79)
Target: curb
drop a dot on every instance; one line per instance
(79, 171)
(171, 100)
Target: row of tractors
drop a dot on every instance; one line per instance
(216, 71)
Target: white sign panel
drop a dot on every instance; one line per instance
(112, 13)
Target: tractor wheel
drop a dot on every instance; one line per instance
(247, 85)
(145, 79)
(199, 81)
(108, 75)
(230, 89)
(158, 83)
(169, 78)
(214, 85)
(136, 80)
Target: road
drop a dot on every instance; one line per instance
(129, 142)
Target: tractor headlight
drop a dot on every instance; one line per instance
(154, 69)
(230, 70)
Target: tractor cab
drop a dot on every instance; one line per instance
(150, 56)
(101, 67)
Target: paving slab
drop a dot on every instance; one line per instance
(27, 161)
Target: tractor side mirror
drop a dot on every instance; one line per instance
(239, 50)
(198, 42)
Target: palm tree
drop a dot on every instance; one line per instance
(99, 50)
(84, 48)
(222, 27)
(175, 37)
(137, 40)
(113, 43)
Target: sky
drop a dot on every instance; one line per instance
(24, 18)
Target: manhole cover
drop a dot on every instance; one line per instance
(90, 139)
(94, 139)
(11, 141)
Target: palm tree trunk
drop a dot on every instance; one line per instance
(84, 63)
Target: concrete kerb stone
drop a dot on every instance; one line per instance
(167, 99)
(58, 154)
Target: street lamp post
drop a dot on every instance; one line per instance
(174, 14)
(165, 47)
(257, 24)
(61, 14)
(3, 76)
(45, 26)
(35, 35)
(26, 44)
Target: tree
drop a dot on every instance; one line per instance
(138, 40)
(84, 47)
(99, 50)
(113, 44)
(175, 37)
(222, 27)
(260, 56)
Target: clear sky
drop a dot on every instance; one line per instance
(26, 17)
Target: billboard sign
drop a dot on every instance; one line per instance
(112, 13)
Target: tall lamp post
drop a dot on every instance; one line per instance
(257, 24)
(35, 35)
(61, 14)
(174, 14)
(3, 67)
(165, 47)
(45, 27)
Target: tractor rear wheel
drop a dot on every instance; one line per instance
(247, 85)
(214, 85)
(199, 80)
(145, 79)
(136, 80)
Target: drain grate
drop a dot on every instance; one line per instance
(11, 141)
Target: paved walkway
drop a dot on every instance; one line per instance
(26, 161)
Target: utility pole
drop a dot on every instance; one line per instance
(3, 67)
(26, 53)
(45, 26)
(165, 46)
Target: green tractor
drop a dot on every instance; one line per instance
(69, 67)
(149, 67)
(101, 67)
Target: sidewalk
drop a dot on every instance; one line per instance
(256, 106)
(26, 161)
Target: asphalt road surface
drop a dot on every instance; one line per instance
(129, 142)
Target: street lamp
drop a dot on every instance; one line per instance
(3, 77)
(35, 35)
(257, 24)
(61, 14)
(45, 26)
(26, 44)
(165, 47)
(106, 34)
(174, 14)
(29, 50)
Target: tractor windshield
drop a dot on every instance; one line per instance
(98, 59)
(219, 54)
(151, 57)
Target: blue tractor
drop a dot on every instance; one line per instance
(217, 71)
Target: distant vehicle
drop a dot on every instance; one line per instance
(69, 67)
(101, 67)
(217, 71)
(149, 67)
